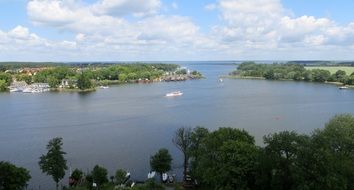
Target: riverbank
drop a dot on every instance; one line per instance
(84, 78)
(262, 78)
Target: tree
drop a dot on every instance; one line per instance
(6, 77)
(99, 175)
(3, 86)
(334, 146)
(75, 177)
(122, 77)
(84, 82)
(120, 176)
(54, 163)
(161, 161)
(284, 149)
(226, 159)
(182, 140)
(53, 82)
(13, 177)
(24, 77)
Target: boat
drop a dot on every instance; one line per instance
(221, 80)
(164, 177)
(343, 87)
(104, 87)
(151, 174)
(176, 93)
(15, 90)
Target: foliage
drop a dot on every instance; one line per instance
(99, 175)
(161, 161)
(84, 82)
(53, 82)
(76, 176)
(24, 77)
(54, 163)
(293, 71)
(3, 86)
(6, 77)
(13, 177)
(120, 176)
(226, 159)
(182, 140)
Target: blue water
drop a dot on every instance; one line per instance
(121, 127)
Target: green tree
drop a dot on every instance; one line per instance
(13, 177)
(122, 77)
(84, 82)
(182, 140)
(198, 136)
(120, 176)
(283, 150)
(334, 146)
(24, 77)
(53, 82)
(54, 163)
(161, 161)
(3, 85)
(99, 175)
(6, 77)
(76, 176)
(222, 155)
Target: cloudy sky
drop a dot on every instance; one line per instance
(157, 30)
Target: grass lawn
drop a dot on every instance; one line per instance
(334, 69)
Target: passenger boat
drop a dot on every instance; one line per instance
(176, 93)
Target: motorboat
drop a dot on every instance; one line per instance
(176, 93)
(104, 87)
(343, 87)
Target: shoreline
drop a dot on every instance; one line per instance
(262, 78)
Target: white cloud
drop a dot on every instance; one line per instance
(247, 29)
(126, 7)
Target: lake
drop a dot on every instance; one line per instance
(121, 127)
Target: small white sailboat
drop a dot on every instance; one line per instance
(151, 174)
(176, 93)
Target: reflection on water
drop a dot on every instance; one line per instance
(121, 127)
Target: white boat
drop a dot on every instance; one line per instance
(151, 174)
(176, 93)
(221, 80)
(343, 87)
(104, 87)
(15, 90)
(164, 177)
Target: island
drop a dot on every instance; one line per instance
(341, 73)
(42, 77)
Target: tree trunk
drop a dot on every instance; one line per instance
(185, 167)
(161, 177)
(56, 185)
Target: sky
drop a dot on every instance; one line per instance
(176, 30)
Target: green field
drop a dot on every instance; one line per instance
(334, 69)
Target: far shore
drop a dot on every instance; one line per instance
(262, 78)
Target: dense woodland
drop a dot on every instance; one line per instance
(226, 159)
(291, 71)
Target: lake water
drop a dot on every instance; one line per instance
(121, 127)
